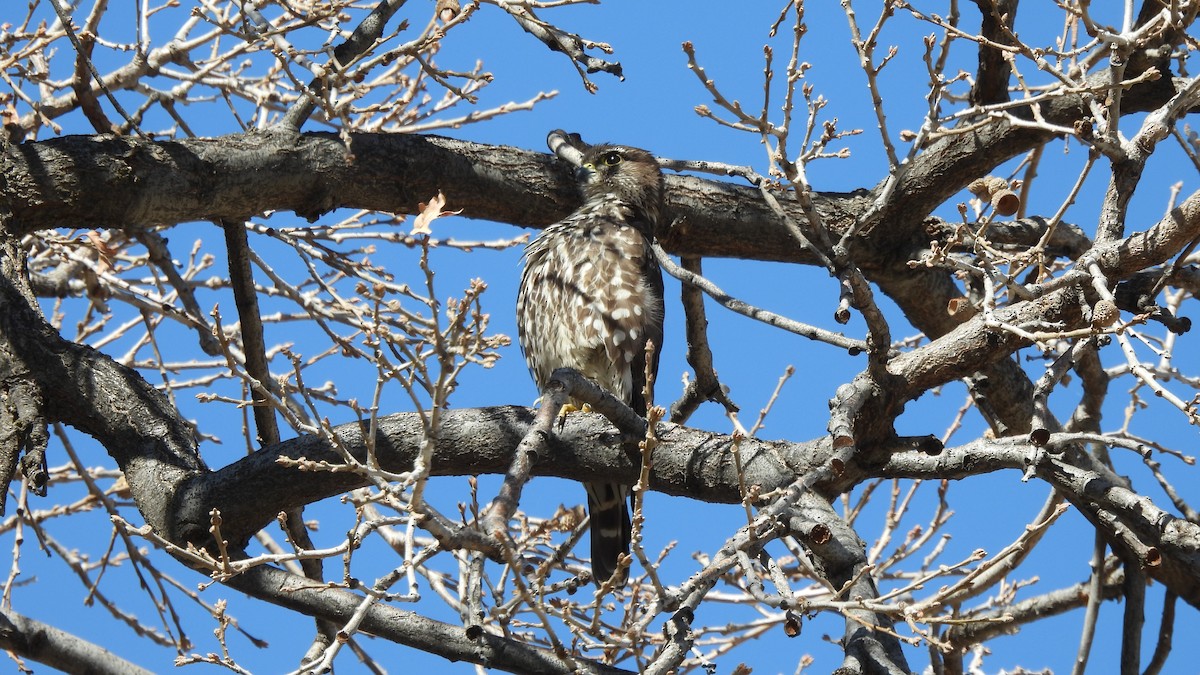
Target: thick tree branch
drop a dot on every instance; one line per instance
(687, 462)
(1167, 546)
(842, 559)
(59, 182)
(480, 441)
(151, 443)
(991, 81)
(59, 649)
(295, 592)
(949, 164)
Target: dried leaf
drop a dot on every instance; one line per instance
(429, 213)
(106, 252)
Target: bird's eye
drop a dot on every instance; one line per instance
(611, 158)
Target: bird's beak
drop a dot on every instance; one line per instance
(585, 173)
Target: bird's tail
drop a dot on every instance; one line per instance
(608, 505)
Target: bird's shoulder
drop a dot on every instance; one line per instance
(601, 217)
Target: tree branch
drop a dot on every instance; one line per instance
(59, 649)
(297, 593)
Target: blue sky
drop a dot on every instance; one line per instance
(654, 108)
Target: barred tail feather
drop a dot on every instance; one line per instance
(608, 505)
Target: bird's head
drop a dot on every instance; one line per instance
(629, 174)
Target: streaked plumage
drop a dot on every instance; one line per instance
(590, 298)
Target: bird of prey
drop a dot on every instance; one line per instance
(591, 296)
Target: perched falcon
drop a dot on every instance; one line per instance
(590, 297)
